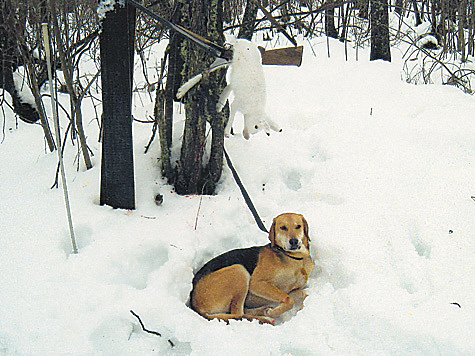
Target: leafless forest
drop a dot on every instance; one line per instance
(440, 38)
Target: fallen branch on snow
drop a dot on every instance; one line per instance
(149, 331)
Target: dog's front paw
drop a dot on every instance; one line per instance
(266, 320)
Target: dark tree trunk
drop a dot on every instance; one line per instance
(345, 21)
(330, 29)
(417, 14)
(249, 20)
(363, 5)
(190, 166)
(175, 68)
(117, 59)
(399, 7)
(10, 59)
(193, 177)
(67, 68)
(380, 48)
(462, 24)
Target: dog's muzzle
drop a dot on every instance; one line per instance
(294, 244)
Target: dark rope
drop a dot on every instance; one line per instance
(212, 48)
(251, 207)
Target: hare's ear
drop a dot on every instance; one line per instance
(272, 234)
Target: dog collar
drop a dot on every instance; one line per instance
(280, 249)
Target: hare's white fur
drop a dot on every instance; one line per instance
(247, 82)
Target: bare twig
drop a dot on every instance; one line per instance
(143, 326)
(149, 331)
(198, 212)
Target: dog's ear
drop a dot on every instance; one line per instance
(272, 234)
(305, 228)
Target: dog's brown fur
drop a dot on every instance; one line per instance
(236, 288)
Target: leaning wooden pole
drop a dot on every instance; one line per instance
(58, 135)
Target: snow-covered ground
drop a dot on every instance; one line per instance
(382, 170)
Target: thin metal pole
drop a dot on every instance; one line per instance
(46, 41)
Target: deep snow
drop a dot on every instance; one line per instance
(382, 170)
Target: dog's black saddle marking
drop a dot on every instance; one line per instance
(246, 257)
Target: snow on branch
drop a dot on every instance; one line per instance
(106, 6)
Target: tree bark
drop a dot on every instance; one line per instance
(66, 66)
(117, 59)
(330, 29)
(174, 73)
(379, 19)
(399, 7)
(249, 20)
(363, 5)
(462, 22)
(345, 21)
(193, 177)
(10, 59)
(417, 14)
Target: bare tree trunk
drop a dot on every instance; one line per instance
(14, 53)
(330, 29)
(205, 19)
(379, 18)
(35, 89)
(175, 68)
(249, 20)
(76, 114)
(471, 21)
(399, 7)
(345, 21)
(11, 58)
(462, 21)
(417, 14)
(364, 7)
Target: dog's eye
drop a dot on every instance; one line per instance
(283, 228)
(256, 127)
(298, 227)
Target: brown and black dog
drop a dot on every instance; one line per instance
(256, 282)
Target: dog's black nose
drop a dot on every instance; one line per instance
(294, 243)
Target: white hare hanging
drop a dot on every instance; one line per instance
(247, 83)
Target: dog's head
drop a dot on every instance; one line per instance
(290, 232)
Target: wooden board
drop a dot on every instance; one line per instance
(289, 56)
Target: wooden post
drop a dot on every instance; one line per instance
(117, 60)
